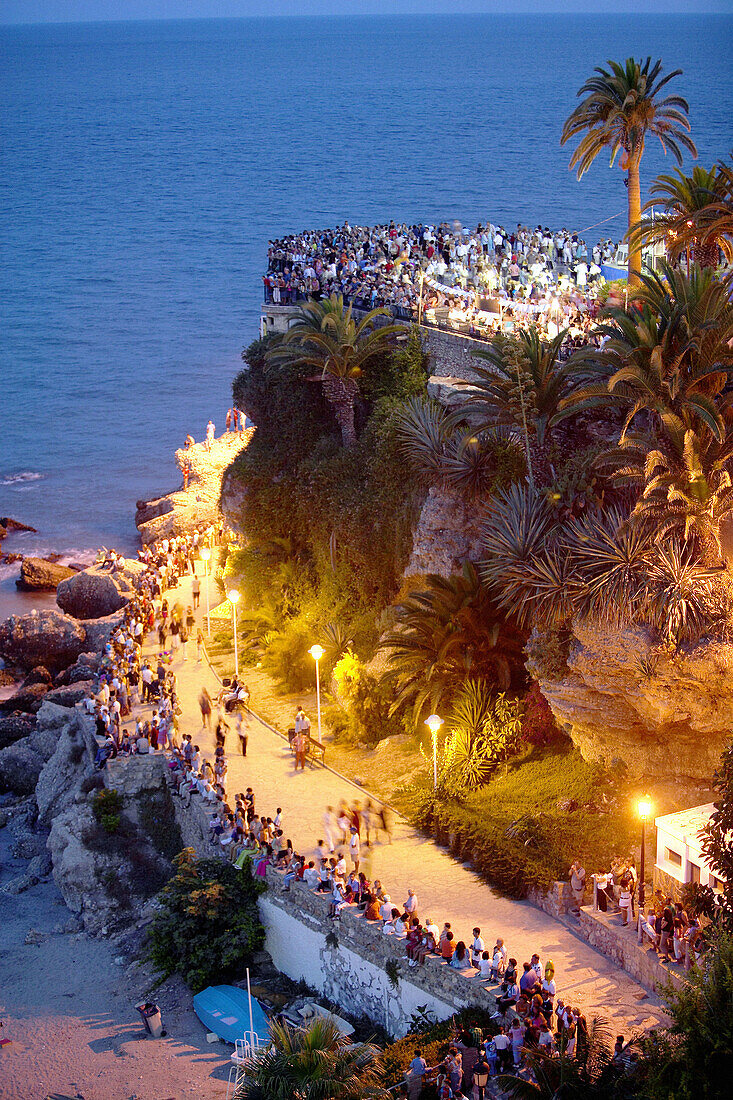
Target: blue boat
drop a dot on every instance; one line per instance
(224, 1009)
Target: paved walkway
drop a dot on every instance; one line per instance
(446, 889)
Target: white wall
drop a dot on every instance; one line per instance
(357, 986)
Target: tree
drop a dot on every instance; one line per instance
(445, 635)
(689, 222)
(314, 1062)
(325, 335)
(592, 1075)
(483, 730)
(717, 846)
(524, 387)
(208, 927)
(692, 1060)
(621, 106)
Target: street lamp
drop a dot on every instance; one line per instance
(434, 722)
(645, 809)
(316, 652)
(233, 599)
(205, 555)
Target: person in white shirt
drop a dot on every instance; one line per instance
(330, 827)
(485, 967)
(477, 947)
(536, 964)
(385, 910)
(411, 904)
(355, 848)
(310, 876)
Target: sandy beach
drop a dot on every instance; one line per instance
(67, 1005)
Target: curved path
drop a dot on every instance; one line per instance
(446, 889)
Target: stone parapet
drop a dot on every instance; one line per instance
(619, 944)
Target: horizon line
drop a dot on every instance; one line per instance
(294, 16)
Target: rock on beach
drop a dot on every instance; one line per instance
(47, 638)
(95, 593)
(42, 575)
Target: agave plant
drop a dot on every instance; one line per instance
(423, 432)
(685, 600)
(482, 730)
(524, 387)
(443, 636)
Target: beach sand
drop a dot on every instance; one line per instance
(67, 1008)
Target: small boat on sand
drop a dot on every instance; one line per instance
(224, 1009)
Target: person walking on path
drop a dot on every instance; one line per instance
(242, 733)
(355, 848)
(300, 743)
(330, 827)
(199, 647)
(196, 591)
(205, 705)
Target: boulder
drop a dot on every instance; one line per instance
(7, 524)
(449, 392)
(20, 766)
(83, 668)
(26, 700)
(151, 509)
(93, 593)
(98, 631)
(38, 675)
(47, 638)
(37, 573)
(71, 695)
(622, 699)
(14, 726)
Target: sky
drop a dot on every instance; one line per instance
(74, 11)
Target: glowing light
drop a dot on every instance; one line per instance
(316, 652)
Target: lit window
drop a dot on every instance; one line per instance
(718, 884)
(673, 857)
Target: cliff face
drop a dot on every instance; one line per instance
(448, 532)
(666, 716)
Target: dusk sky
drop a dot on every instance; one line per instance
(56, 11)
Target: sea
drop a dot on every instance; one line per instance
(145, 165)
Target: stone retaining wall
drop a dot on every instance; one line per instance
(346, 960)
(619, 944)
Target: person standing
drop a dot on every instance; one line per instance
(577, 882)
(210, 430)
(330, 827)
(196, 591)
(242, 733)
(300, 743)
(355, 848)
(205, 705)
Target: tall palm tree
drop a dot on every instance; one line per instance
(719, 217)
(314, 1062)
(524, 387)
(325, 335)
(689, 222)
(621, 106)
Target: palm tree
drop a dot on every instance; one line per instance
(690, 222)
(718, 221)
(524, 387)
(592, 1075)
(325, 335)
(314, 1062)
(668, 356)
(622, 105)
(443, 636)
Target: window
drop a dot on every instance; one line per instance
(673, 857)
(717, 884)
(694, 873)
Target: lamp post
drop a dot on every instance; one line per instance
(234, 599)
(316, 652)
(434, 722)
(205, 555)
(645, 809)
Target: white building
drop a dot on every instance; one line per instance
(679, 853)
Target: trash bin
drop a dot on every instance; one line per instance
(150, 1015)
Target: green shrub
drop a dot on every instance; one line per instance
(209, 925)
(538, 723)
(432, 1040)
(366, 701)
(106, 805)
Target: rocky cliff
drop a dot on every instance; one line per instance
(666, 716)
(181, 511)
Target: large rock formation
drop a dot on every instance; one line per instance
(448, 532)
(20, 766)
(61, 778)
(37, 573)
(94, 593)
(666, 716)
(98, 632)
(181, 511)
(47, 638)
(14, 726)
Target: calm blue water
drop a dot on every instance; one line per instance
(145, 166)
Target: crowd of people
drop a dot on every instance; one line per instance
(474, 280)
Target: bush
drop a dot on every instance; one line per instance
(433, 1041)
(366, 702)
(209, 925)
(107, 805)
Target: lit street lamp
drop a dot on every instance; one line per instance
(645, 809)
(434, 722)
(316, 652)
(205, 555)
(233, 599)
